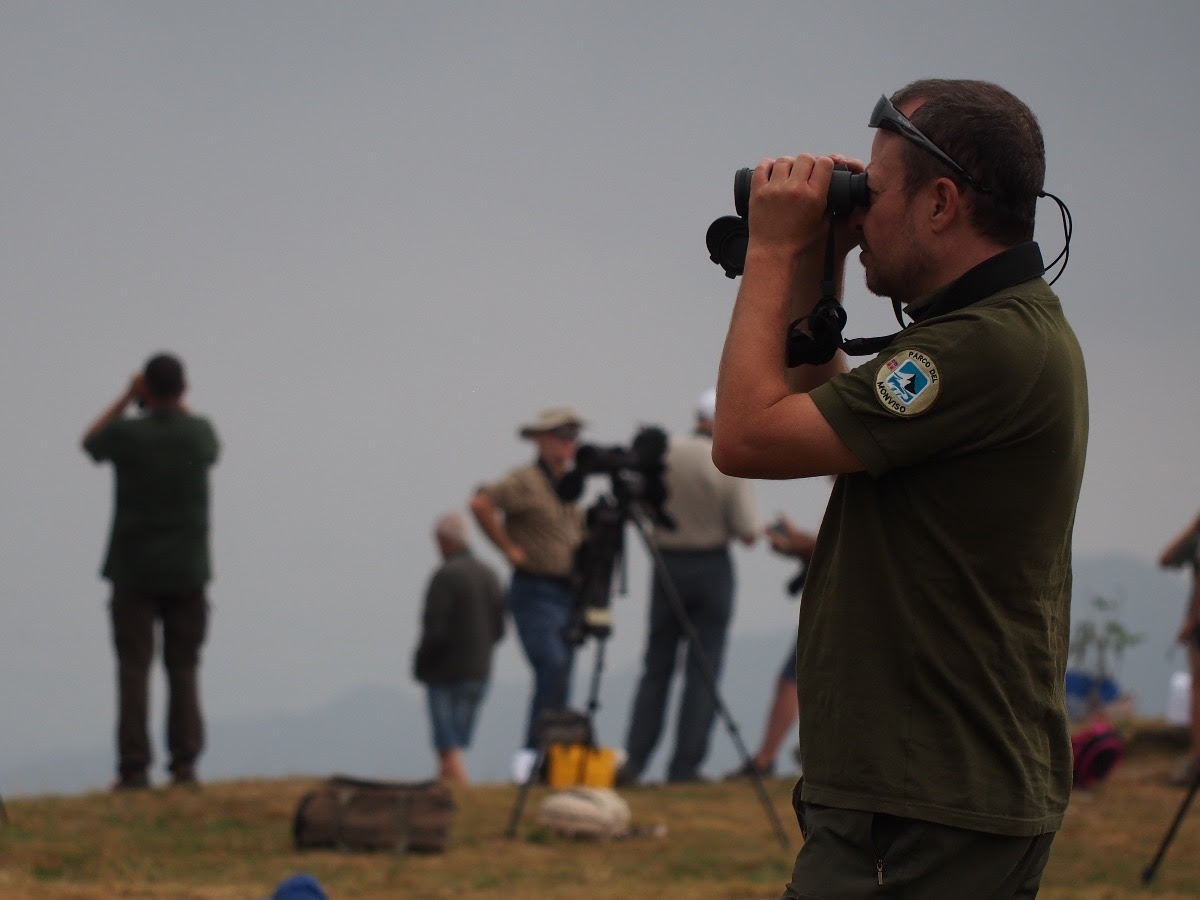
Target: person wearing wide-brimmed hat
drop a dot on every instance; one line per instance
(537, 531)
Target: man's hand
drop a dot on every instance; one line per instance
(789, 540)
(766, 424)
(788, 200)
(488, 516)
(135, 390)
(1187, 632)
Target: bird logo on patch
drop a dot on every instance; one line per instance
(908, 383)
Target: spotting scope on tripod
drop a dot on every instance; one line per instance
(637, 495)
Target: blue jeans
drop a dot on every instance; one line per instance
(452, 709)
(704, 581)
(541, 609)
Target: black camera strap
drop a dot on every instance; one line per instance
(824, 336)
(1006, 269)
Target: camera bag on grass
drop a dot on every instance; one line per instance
(585, 812)
(359, 814)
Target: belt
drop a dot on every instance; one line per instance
(563, 580)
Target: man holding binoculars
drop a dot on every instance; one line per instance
(934, 630)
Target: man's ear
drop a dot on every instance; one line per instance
(945, 204)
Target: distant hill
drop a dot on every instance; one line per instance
(382, 731)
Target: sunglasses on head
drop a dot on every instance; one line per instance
(889, 118)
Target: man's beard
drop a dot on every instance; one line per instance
(899, 277)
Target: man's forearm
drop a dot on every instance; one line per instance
(806, 292)
(753, 362)
(1173, 549)
(775, 291)
(109, 415)
(489, 523)
(488, 518)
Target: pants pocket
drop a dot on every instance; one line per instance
(798, 807)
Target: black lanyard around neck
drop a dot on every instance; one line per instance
(1006, 269)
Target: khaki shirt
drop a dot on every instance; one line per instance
(545, 527)
(709, 508)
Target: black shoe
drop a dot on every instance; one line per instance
(132, 781)
(693, 778)
(749, 770)
(625, 777)
(184, 774)
(1183, 773)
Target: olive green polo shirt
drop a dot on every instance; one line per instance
(545, 527)
(159, 537)
(935, 626)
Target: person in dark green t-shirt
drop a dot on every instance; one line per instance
(932, 640)
(157, 560)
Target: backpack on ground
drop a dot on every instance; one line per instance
(347, 813)
(1096, 749)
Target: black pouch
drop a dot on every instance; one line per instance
(563, 726)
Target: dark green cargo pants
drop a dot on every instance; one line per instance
(849, 854)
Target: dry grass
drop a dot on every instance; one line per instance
(231, 841)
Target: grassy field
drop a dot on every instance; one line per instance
(232, 841)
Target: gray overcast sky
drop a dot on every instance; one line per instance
(383, 234)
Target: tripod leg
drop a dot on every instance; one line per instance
(593, 704)
(543, 743)
(706, 670)
(515, 817)
(1148, 872)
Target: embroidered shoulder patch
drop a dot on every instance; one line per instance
(907, 384)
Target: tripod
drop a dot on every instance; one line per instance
(709, 675)
(1150, 870)
(561, 726)
(595, 563)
